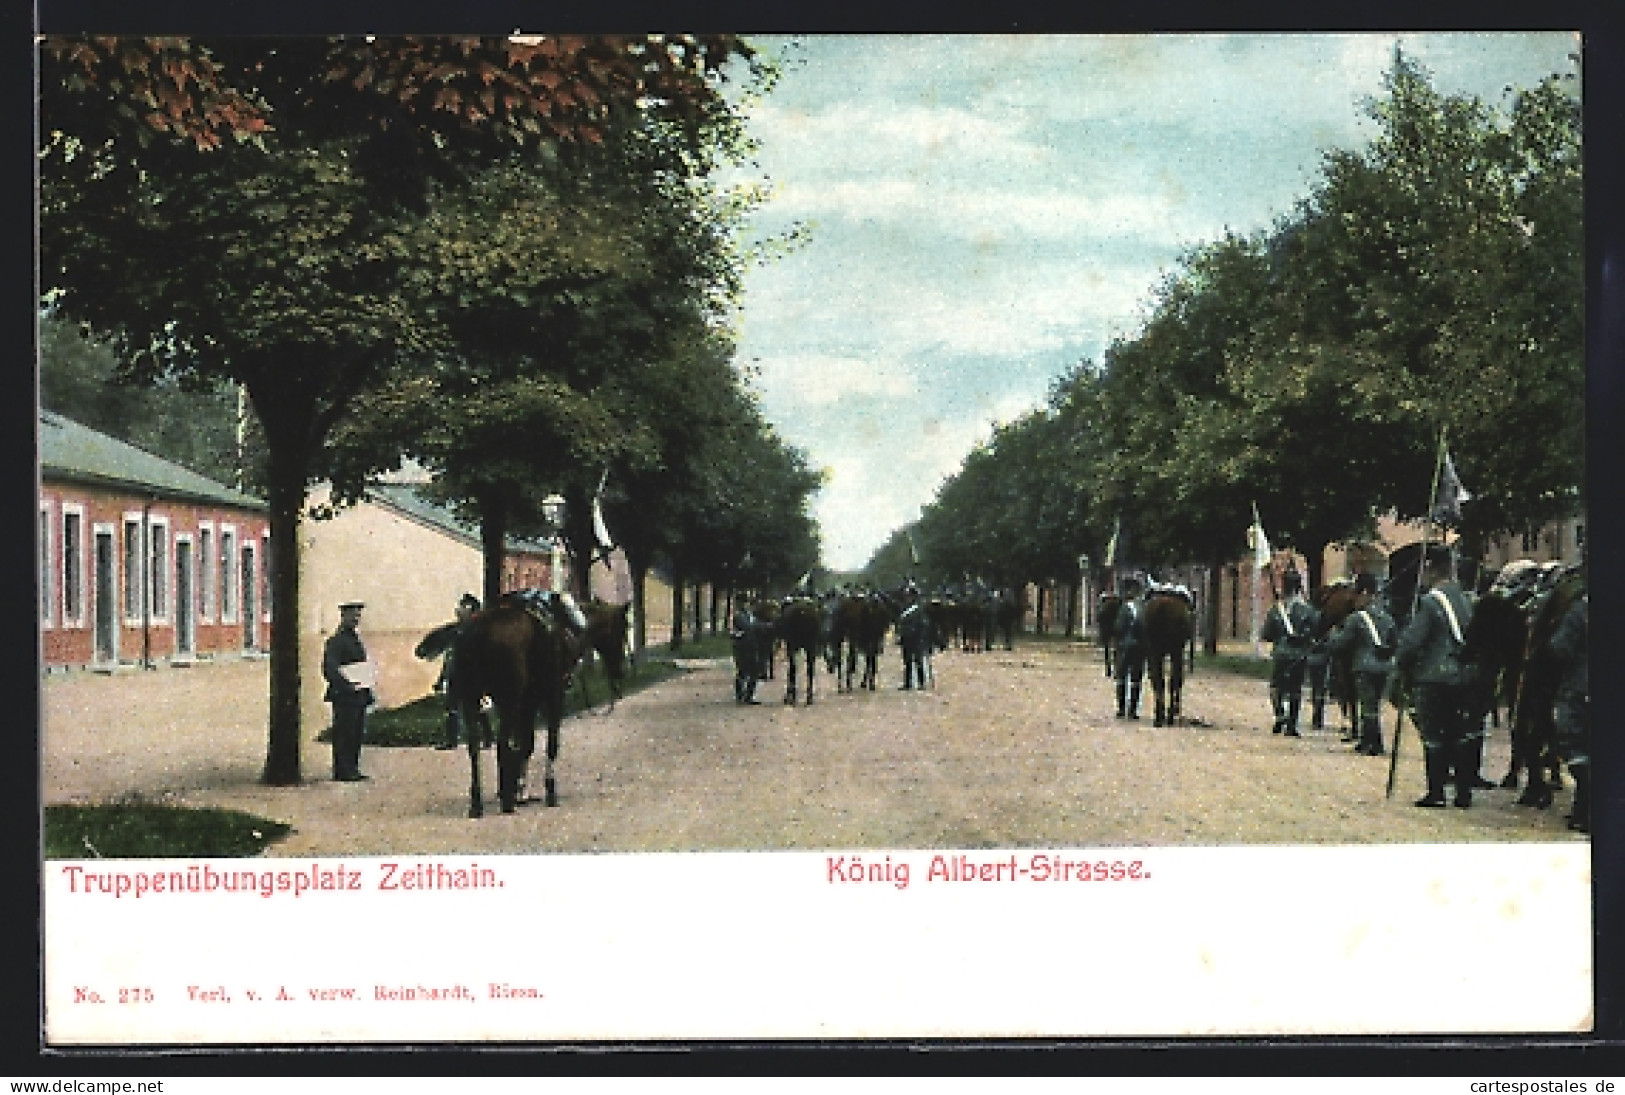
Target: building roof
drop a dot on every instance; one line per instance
(75, 453)
(405, 500)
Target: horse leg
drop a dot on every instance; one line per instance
(789, 677)
(555, 714)
(476, 808)
(811, 659)
(1176, 684)
(1159, 711)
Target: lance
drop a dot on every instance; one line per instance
(1416, 599)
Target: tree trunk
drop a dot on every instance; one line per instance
(1072, 592)
(1316, 560)
(699, 610)
(676, 609)
(714, 607)
(639, 569)
(287, 498)
(1215, 602)
(493, 542)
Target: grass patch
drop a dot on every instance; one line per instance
(156, 832)
(422, 722)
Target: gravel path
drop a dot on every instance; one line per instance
(1011, 749)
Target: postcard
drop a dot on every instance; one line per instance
(821, 504)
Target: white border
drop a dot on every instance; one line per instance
(48, 546)
(160, 580)
(74, 615)
(190, 541)
(93, 593)
(226, 569)
(207, 572)
(139, 593)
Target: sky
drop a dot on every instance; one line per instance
(982, 213)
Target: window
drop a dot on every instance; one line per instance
(73, 566)
(228, 584)
(133, 586)
(47, 573)
(158, 566)
(207, 568)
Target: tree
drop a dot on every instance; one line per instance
(240, 210)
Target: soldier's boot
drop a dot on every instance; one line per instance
(1293, 702)
(1122, 697)
(1278, 711)
(1437, 763)
(1469, 754)
(1580, 815)
(1134, 700)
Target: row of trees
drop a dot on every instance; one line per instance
(507, 259)
(1431, 284)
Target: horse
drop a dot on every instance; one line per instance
(606, 636)
(1169, 628)
(799, 625)
(1335, 603)
(1533, 731)
(1106, 619)
(829, 606)
(520, 658)
(868, 637)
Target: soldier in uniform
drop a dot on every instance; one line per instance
(914, 632)
(1571, 709)
(467, 607)
(1367, 636)
(1130, 650)
(1429, 657)
(350, 700)
(746, 651)
(1290, 626)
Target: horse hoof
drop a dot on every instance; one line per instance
(475, 811)
(552, 795)
(508, 807)
(1509, 782)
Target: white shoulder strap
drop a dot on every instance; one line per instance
(1286, 619)
(1449, 613)
(1371, 627)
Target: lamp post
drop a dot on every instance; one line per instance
(553, 514)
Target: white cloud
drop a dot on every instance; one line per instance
(819, 380)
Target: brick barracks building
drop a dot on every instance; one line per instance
(142, 562)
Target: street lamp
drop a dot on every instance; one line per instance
(553, 514)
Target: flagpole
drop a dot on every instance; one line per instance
(1416, 599)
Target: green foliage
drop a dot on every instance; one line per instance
(140, 831)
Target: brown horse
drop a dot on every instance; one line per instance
(521, 659)
(861, 623)
(1335, 603)
(799, 626)
(1106, 619)
(1169, 629)
(606, 636)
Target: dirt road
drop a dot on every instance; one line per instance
(1010, 749)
